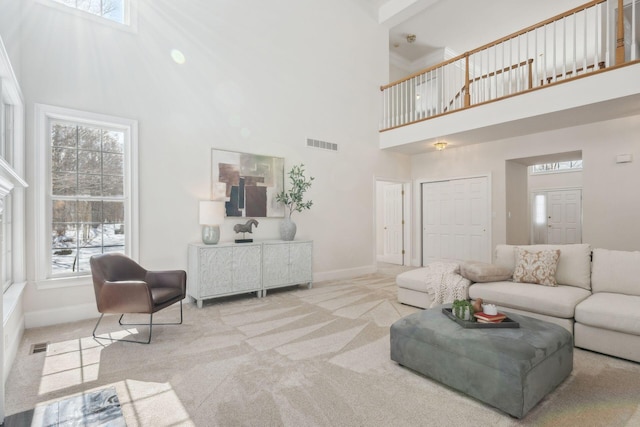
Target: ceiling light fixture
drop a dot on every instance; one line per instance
(411, 38)
(440, 145)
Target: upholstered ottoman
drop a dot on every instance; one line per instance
(510, 369)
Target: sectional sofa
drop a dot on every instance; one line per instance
(596, 294)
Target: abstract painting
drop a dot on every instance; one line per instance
(248, 183)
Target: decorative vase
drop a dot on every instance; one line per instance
(287, 229)
(462, 312)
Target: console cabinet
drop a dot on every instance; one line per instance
(234, 268)
(224, 269)
(286, 264)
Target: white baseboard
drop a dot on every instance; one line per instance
(343, 274)
(54, 316)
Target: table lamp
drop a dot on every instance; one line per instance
(211, 216)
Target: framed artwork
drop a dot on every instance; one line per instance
(248, 183)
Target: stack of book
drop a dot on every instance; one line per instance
(489, 318)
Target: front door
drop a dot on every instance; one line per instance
(564, 217)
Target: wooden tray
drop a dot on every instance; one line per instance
(506, 323)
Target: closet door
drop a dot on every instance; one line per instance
(455, 219)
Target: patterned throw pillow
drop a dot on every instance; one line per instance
(538, 267)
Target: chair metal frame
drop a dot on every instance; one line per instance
(150, 324)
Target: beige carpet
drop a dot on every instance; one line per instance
(298, 357)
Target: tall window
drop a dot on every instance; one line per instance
(90, 193)
(113, 10)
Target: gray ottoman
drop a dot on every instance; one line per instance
(510, 369)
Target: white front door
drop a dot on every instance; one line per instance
(455, 217)
(393, 224)
(564, 209)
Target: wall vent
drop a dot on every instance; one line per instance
(323, 145)
(39, 348)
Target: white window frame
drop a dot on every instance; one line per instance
(130, 14)
(44, 115)
(12, 183)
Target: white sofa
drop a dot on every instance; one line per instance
(554, 304)
(609, 320)
(597, 297)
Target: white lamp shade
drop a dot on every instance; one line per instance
(211, 212)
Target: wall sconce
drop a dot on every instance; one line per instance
(440, 145)
(211, 216)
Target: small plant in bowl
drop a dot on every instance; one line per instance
(462, 309)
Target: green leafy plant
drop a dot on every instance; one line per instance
(459, 306)
(293, 199)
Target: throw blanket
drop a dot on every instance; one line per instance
(445, 284)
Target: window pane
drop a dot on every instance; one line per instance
(113, 186)
(113, 235)
(89, 138)
(89, 161)
(89, 185)
(83, 259)
(64, 135)
(90, 236)
(63, 261)
(90, 212)
(64, 211)
(63, 184)
(64, 160)
(113, 142)
(113, 213)
(113, 164)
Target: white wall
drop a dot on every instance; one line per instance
(610, 197)
(259, 77)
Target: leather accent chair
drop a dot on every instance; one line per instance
(122, 286)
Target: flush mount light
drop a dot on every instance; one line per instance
(440, 145)
(411, 38)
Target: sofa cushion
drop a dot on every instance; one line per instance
(557, 301)
(611, 311)
(537, 267)
(480, 272)
(616, 271)
(574, 264)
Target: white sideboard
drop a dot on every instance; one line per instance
(286, 264)
(234, 268)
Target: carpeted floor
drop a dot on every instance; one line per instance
(298, 357)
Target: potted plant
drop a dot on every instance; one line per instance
(293, 200)
(462, 309)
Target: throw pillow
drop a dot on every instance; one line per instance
(538, 267)
(482, 272)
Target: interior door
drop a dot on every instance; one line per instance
(564, 209)
(393, 224)
(455, 220)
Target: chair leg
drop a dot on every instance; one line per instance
(95, 337)
(150, 324)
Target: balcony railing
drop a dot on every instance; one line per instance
(581, 41)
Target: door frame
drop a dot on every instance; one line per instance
(419, 214)
(406, 214)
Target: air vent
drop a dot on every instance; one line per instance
(323, 145)
(39, 348)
